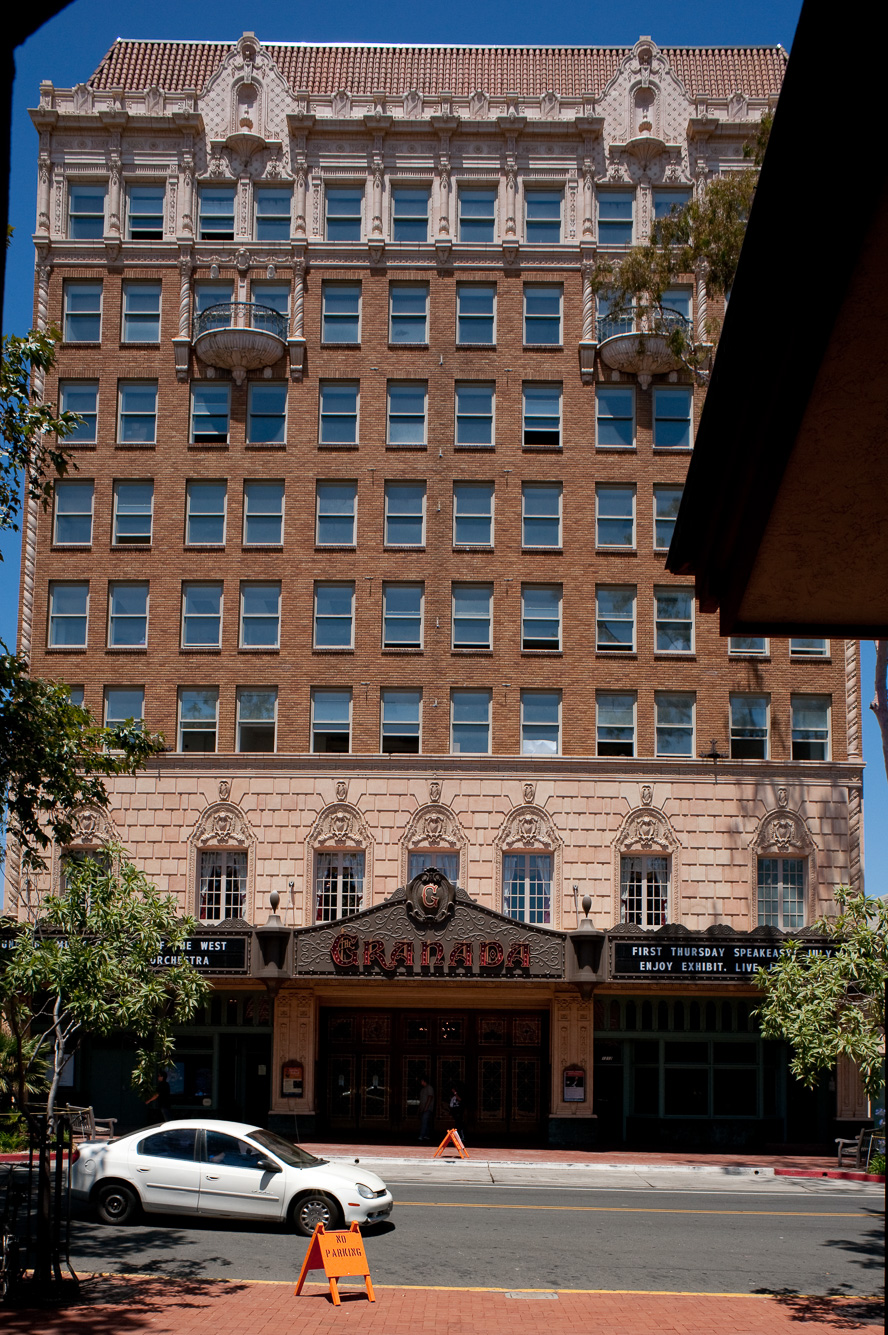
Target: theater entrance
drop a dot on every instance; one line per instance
(372, 1061)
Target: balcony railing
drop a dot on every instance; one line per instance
(660, 320)
(241, 315)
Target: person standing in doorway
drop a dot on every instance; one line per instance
(162, 1098)
(426, 1108)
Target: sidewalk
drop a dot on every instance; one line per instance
(121, 1305)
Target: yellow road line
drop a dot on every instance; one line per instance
(638, 1209)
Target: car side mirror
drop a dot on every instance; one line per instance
(268, 1166)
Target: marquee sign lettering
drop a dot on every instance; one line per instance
(690, 961)
(209, 954)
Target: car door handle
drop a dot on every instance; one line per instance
(144, 1170)
(212, 1177)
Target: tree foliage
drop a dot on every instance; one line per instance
(827, 1006)
(88, 965)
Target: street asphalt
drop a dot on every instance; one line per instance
(552, 1227)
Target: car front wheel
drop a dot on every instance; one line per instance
(308, 1211)
(116, 1204)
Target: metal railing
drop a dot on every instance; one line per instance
(241, 315)
(650, 320)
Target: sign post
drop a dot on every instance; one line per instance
(452, 1138)
(337, 1254)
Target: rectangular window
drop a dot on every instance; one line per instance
(475, 313)
(212, 302)
(272, 214)
(614, 418)
(810, 727)
(473, 514)
(73, 518)
(83, 312)
(409, 313)
(615, 723)
(141, 312)
(402, 616)
(339, 885)
(216, 217)
(667, 200)
(542, 313)
(673, 409)
(263, 513)
(133, 513)
(344, 207)
(674, 724)
(337, 504)
(674, 621)
(542, 217)
(410, 213)
(401, 714)
(124, 704)
(527, 887)
(614, 516)
(198, 708)
(748, 645)
(270, 302)
(676, 301)
(615, 616)
(448, 863)
(138, 412)
(202, 617)
(472, 608)
(338, 417)
(68, 606)
(267, 414)
(81, 396)
(809, 648)
(540, 723)
(86, 212)
(666, 503)
(644, 890)
(781, 893)
(405, 504)
(334, 616)
(127, 616)
(260, 616)
(474, 413)
(210, 408)
(749, 727)
(407, 412)
(542, 415)
(470, 722)
(615, 216)
(76, 694)
(477, 214)
(145, 212)
(256, 718)
(330, 720)
(341, 312)
(205, 505)
(223, 882)
(541, 514)
(541, 617)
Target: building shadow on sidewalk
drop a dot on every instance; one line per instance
(110, 1305)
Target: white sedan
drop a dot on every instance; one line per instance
(226, 1169)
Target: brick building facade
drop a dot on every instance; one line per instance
(370, 519)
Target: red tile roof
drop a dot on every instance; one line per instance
(756, 71)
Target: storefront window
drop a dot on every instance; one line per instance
(339, 885)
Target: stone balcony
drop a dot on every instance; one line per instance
(242, 336)
(638, 343)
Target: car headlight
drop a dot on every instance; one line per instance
(367, 1192)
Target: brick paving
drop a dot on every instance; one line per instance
(124, 1305)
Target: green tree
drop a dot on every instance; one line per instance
(89, 964)
(827, 1006)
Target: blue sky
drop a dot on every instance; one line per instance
(67, 50)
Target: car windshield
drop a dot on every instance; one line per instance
(293, 1155)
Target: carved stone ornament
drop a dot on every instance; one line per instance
(341, 103)
(222, 825)
(479, 106)
(91, 827)
(434, 825)
(224, 790)
(435, 790)
(646, 828)
(782, 797)
(529, 793)
(341, 790)
(413, 104)
(342, 826)
(430, 898)
(527, 827)
(647, 795)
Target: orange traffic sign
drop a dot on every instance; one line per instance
(337, 1254)
(452, 1138)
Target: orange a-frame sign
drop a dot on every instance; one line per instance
(452, 1138)
(337, 1254)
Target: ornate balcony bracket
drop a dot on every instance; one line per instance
(587, 362)
(296, 348)
(182, 354)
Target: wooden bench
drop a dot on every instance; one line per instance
(858, 1149)
(86, 1126)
